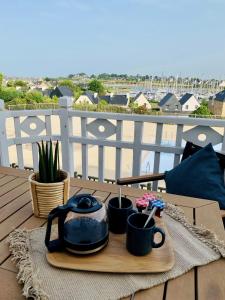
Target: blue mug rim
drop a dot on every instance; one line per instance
(117, 208)
(138, 228)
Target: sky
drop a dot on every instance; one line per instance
(155, 37)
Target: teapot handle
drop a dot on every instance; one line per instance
(60, 212)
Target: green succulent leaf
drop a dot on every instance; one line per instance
(42, 170)
(55, 164)
(50, 162)
(46, 159)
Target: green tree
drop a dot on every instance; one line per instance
(21, 83)
(77, 90)
(141, 110)
(8, 94)
(17, 101)
(203, 110)
(34, 97)
(133, 105)
(68, 83)
(70, 76)
(10, 83)
(96, 86)
(47, 79)
(1, 79)
(54, 99)
(103, 102)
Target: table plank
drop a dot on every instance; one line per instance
(74, 190)
(209, 216)
(222, 213)
(30, 223)
(11, 185)
(8, 264)
(101, 195)
(189, 213)
(85, 191)
(9, 288)
(17, 213)
(15, 172)
(6, 179)
(5, 257)
(112, 188)
(155, 293)
(13, 194)
(210, 281)
(183, 287)
(15, 205)
(15, 220)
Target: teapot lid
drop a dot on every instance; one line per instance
(84, 203)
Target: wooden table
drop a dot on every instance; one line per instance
(205, 282)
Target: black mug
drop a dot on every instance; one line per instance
(117, 217)
(140, 241)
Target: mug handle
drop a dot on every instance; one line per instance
(60, 212)
(157, 245)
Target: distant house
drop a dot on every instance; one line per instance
(88, 97)
(189, 102)
(119, 100)
(61, 91)
(170, 103)
(93, 98)
(106, 98)
(37, 90)
(222, 84)
(141, 100)
(42, 86)
(47, 92)
(217, 104)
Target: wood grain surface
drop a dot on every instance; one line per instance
(206, 282)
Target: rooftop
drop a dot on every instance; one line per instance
(185, 98)
(169, 97)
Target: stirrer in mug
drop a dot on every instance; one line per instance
(157, 206)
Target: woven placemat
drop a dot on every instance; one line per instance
(193, 246)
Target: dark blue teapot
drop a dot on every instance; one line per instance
(82, 226)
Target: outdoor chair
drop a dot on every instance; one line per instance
(189, 150)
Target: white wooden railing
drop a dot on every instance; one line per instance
(84, 128)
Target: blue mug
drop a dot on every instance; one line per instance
(140, 241)
(117, 217)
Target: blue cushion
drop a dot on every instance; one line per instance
(198, 176)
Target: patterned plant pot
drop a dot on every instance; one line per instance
(46, 196)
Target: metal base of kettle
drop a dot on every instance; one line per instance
(88, 251)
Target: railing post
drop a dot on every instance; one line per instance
(4, 154)
(65, 104)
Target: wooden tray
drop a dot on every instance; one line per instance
(114, 258)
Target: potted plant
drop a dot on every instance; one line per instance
(50, 185)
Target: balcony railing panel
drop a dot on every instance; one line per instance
(158, 139)
(88, 129)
